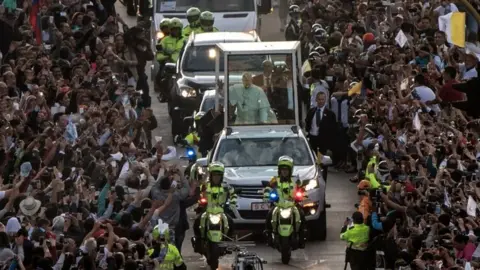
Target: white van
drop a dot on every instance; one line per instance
(230, 15)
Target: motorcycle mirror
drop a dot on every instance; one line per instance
(184, 158)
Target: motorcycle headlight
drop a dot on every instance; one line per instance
(214, 219)
(286, 213)
(201, 170)
(311, 184)
(187, 91)
(160, 35)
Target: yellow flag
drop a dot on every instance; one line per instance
(457, 29)
(356, 89)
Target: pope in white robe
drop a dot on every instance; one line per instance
(250, 101)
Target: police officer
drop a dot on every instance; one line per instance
(206, 23)
(217, 194)
(286, 188)
(292, 32)
(170, 47)
(164, 32)
(193, 17)
(165, 254)
(357, 237)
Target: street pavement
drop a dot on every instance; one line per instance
(341, 194)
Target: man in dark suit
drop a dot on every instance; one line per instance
(321, 126)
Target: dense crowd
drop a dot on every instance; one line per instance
(412, 132)
(83, 183)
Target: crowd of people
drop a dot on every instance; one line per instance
(83, 184)
(406, 122)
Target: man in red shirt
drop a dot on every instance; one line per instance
(446, 92)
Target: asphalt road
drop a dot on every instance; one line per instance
(341, 194)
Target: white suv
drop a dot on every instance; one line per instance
(250, 156)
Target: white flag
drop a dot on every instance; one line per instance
(471, 207)
(401, 39)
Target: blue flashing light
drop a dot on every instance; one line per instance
(190, 153)
(273, 196)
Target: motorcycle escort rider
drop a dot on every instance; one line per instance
(165, 255)
(206, 23)
(164, 32)
(217, 193)
(286, 187)
(292, 31)
(169, 49)
(193, 17)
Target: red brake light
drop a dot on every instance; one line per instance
(299, 195)
(203, 200)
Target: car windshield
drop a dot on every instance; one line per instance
(201, 59)
(173, 6)
(209, 103)
(235, 152)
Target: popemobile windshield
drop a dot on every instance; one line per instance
(259, 82)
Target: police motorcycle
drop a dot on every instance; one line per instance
(212, 225)
(286, 220)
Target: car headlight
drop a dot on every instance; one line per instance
(311, 184)
(160, 35)
(201, 170)
(214, 219)
(187, 91)
(286, 213)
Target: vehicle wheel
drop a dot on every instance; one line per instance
(213, 256)
(285, 250)
(318, 228)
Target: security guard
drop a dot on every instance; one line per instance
(292, 31)
(193, 17)
(357, 238)
(171, 45)
(217, 193)
(164, 253)
(206, 23)
(169, 50)
(286, 188)
(164, 32)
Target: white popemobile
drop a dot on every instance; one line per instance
(262, 123)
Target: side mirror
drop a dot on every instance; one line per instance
(170, 68)
(326, 161)
(184, 158)
(265, 7)
(202, 162)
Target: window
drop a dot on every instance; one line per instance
(209, 103)
(240, 152)
(199, 59)
(174, 6)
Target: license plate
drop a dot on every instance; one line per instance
(260, 206)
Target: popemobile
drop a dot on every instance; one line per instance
(262, 136)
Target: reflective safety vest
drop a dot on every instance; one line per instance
(358, 236)
(171, 260)
(285, 190)
(371, 176)
(171, 48)
(217, 196)
(188, 30)
(192, 138)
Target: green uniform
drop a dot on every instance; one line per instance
(285, 190)
(171, 259)
(188, 30)
(357, 235)
(171, 48)
(217, 196)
